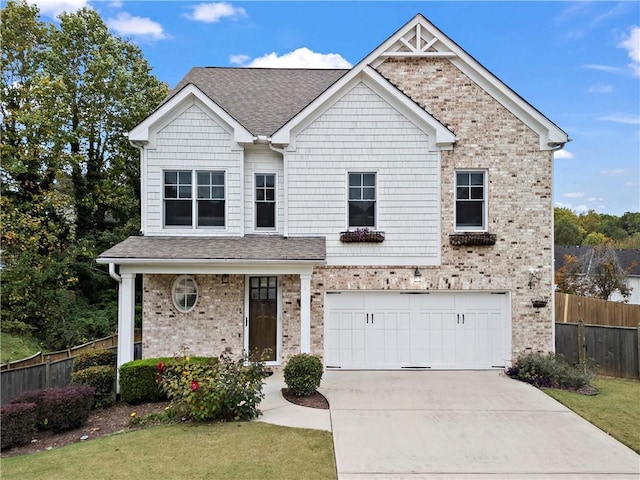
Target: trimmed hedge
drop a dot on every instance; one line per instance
(139, 378)
(302, 374)
(94, 358)
(103, 379)
(18, 424)
(61, 408)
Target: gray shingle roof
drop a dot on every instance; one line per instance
(629, 258)
(261, 99)
(212, 249)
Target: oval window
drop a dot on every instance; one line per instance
(185, 293)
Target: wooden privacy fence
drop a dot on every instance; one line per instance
(51, 373)
(615, 350)
(38, 358)
(593, 311)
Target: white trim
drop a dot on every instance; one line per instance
(371, 259)
(245, 323)
(347, 200)
(255, 228)
(179, 279)
(230, 268)
(485, 213)
(126, 322)
(144, 132)
(305, 313)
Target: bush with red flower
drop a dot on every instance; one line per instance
(226, 390)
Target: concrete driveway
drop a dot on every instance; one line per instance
(463, 424)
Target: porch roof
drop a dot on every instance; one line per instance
(247, 249)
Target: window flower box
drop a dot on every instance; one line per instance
(539, 302)
(362, 235)
(472, 238)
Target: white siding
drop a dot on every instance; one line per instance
(262, 159)
(362, 132)
(193, 140)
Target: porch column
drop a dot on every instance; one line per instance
(126, 315)
(305, 313)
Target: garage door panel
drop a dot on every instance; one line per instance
(437, 330)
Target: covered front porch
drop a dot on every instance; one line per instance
(211, 295)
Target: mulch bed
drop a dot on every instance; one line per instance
(316, 400)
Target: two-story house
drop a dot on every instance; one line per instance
(394, 215)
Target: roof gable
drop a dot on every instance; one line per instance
(420, 38)
(443, 138)
(187, 96)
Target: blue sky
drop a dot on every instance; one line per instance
(576, 62)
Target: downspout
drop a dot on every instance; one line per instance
(285, 184)
(113, 274)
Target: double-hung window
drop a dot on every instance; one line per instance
(471, 200)
(265, 197)
(183, 208)
(362, 200)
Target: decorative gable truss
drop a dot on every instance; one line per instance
(420, 39)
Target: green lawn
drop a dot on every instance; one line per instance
(243, 451)
(616, 409)
(13, 347)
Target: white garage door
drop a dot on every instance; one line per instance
(388, 330)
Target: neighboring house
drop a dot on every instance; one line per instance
(629, 260)
(394, 215)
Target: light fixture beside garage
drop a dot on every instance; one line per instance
(417, 276)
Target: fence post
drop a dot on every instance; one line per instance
(582, 347)
(638, 340)
(47, 372)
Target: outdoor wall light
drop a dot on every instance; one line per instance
(417, 276)
(225, 279)
(533, 277)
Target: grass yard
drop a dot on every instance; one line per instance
(246, 450)
(616, 409)
(13, 347)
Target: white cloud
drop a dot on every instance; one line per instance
(239, 59)
(53, 8)
(300, 58)
(604, 68)
(116, 4)
(562, 154)
(142, 27)
(613, 172)
(627, 118)
(600, 88)
(214, 12)
(575, 195)
(632, 45)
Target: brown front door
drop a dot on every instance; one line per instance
(263, 318)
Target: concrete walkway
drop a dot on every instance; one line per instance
(460, 425)
(278, 411)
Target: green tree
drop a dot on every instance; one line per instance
(567, 231)
(70, 179)
(595, 238)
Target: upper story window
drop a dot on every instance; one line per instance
(184, 209)
(471, 200)
(362, 199)
(265, 196)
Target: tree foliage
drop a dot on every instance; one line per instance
(70, 179)
(597, 274)
(592, 228)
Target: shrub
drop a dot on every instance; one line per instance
(18, 424)
(225, 390)
(139, 382)
(550, 371)
(103, 379)
(94, 358)
(62, 408)
(303, 374)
